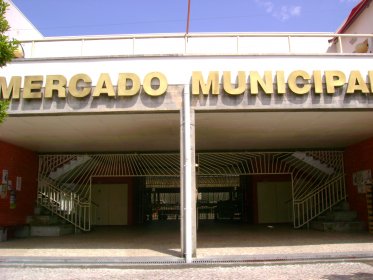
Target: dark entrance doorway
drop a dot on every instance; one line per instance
(267, 198)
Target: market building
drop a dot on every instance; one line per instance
(261, 128)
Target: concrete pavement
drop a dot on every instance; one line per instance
(160, 244)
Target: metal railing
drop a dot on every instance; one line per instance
(66, 205)
(190, 44)
(313, 191)
(318, 201)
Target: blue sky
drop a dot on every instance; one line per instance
(94, 17)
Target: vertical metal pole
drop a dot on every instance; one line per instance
(133, 45)
(82, 48)
(340, 44)
(289, 44)
(90, 204)
(185, 44)
(181, 214)
(188, 18)
(293, 202)
(341, 163)
(32, 49)
(237, 45)
(41, 185)
(187, 180)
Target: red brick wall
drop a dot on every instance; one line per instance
(22, 163)
(356, 158)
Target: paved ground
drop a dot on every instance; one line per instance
(106, 253)
(214, 240)
(331, 271)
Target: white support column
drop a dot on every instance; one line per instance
(187, 179)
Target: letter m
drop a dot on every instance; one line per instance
(198, 84)
(12, 90)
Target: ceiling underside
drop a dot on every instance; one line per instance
(215, 131)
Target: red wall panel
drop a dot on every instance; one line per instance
(356, 158)
(20, 163)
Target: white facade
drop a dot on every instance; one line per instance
(177, 56)
(20, 27)
(362, 23)
(178, 44)
(333, 112)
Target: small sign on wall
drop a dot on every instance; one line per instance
(360, 180)
(3, 191)
(5, 177)
(19, 183)
(10, 185)
(4, 184)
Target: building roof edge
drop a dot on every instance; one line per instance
(354, 14)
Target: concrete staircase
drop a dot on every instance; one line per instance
(18, 231)
(45, 224)
(313, 162)
(69, 166)
(340, 219)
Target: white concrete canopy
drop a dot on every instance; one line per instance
(145, 123)
(155, 132)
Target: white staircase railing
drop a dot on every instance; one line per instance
(317, 177)
(66, 205)
(319, 201)
(69, 166)
(311, 160)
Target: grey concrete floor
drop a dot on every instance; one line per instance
(328, 271)
(162, 239)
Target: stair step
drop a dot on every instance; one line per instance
(51, 230)
(22, 232)
(341, 216)
(338, 226)
(61, 206)
(69, 166)
(17, 231)
(43, 220)
(344, 205)
(313, 162)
